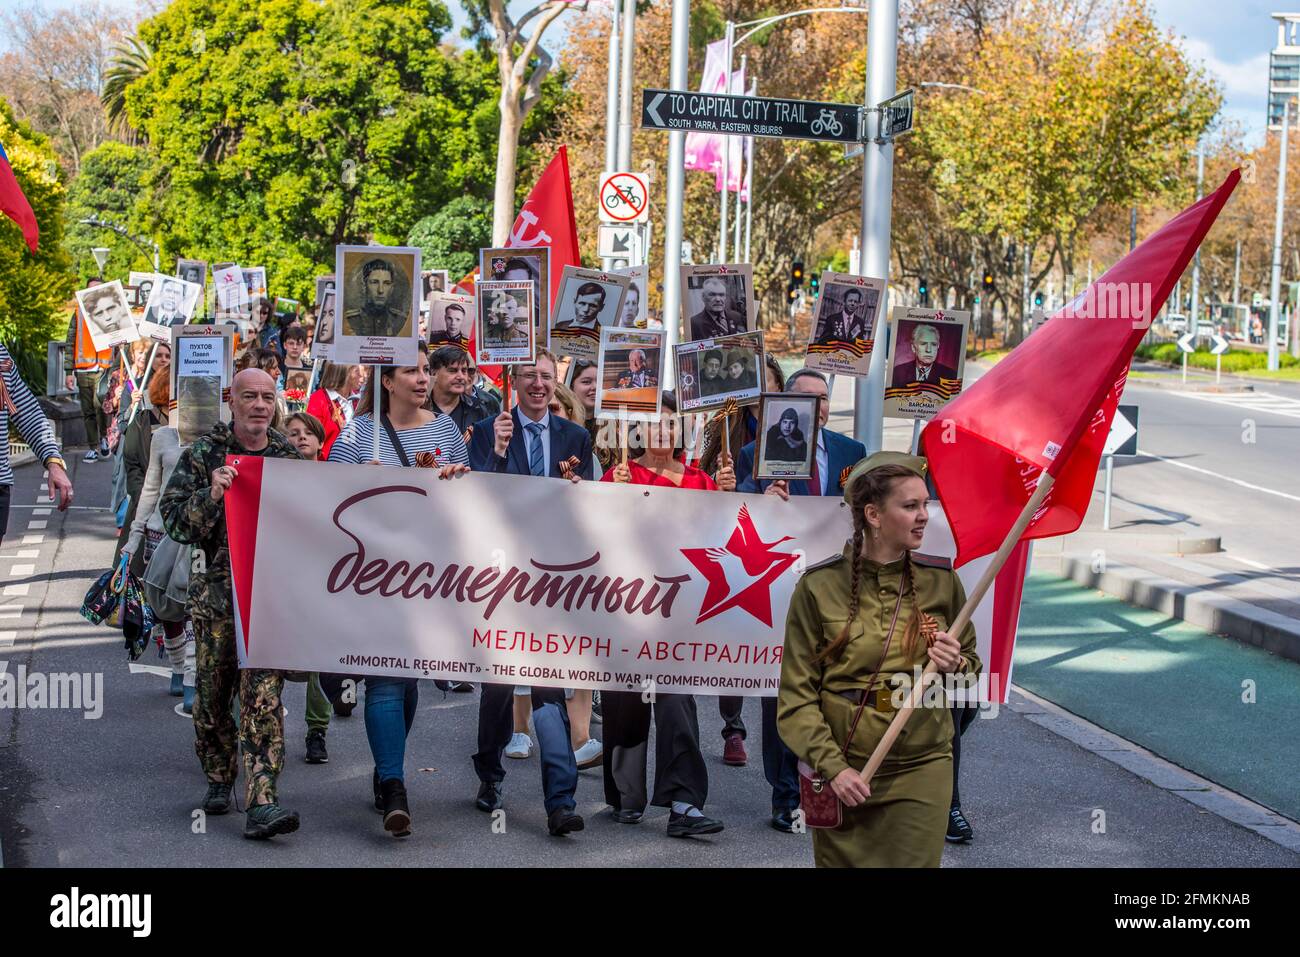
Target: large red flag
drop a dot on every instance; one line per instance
(1049, 404)
(14, 204)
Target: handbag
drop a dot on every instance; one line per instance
(104, 596)
(135, 617)
(166, 579)
(817, 799)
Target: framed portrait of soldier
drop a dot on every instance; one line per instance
(431, 281)
(231, 293)
(451, 319)
(927, 358)
(844, 324)
(322, 344)
(139, 287)
(202, 367)
(635, 312)
(711, 371)
(377, 305)
(588, 300)
(532, 263)
(787, 435)
(630, 373)
(254, 282)
(107, 314)
(503, 327)
(718, 300)
(172, 302)
(192, 270)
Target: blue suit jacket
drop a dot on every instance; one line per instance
(567, 440)
(841, 453)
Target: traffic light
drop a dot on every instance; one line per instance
(814, 283)
(1038, 299)
(792, 292)
(796, 272)
(988, 280)
(923, 289)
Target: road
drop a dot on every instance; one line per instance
(121, 789)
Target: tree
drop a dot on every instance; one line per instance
(450, 238)
(110, 188)
(129, 63)
(34, 287)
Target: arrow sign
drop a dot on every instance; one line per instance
(751, 116)
(1220, 345)
(1122, 438)
(1185, 343)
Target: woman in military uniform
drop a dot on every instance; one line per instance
(838, 635)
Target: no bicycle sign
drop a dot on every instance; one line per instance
(624, 198)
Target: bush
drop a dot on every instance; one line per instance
(1234, 360)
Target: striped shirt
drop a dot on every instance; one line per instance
(355, 443)
(30, 420)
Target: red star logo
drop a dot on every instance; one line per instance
(746, 563)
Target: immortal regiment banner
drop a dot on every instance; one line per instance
(595, 585)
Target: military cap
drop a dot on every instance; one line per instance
(916, 463)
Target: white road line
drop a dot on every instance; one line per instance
(33, 539)
(17, 590)
(22, 571)
(39, 511)
(1253, 401)
(7, 638)
(1247, 561)
(23, 553)
(36, 525)
(11, 611)
(1217, 475)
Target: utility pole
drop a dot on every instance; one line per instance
(1275, 284)
(877, 208)
(626, 61)
(611, 102)
(676, 175)
(1196, 261)
(726, 155)
(740, 180)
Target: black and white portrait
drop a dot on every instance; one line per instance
(504, 331)
(787, 435)
(635, 311)
(451, 319)
(844, 324)
(192, 270)
(378, 304)
(589, 299)
(172, 302)
(530, 264)
(711, 371)
(107, 314)
(718, 300)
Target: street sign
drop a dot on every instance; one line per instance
(751, 116)
(1122, 439)
(1187, 342)
(688, 253)
(624, 197)
(1220, 345)
(896, 114)
(620, 242)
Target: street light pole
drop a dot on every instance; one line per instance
(1275, 284)
(611, 102)
(625, 92)
(676, 175)
(877, 196)
(1196, 262)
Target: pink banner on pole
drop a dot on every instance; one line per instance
(704, 150)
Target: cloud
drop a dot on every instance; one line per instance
(1246, 79)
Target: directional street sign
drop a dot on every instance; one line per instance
(1122, 439)
(624, 197)
(1187, 342)
(619, 242)
(688, 253)
(896, 114)
(1220, 345)
(751, 116)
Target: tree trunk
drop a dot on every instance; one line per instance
(503, 200)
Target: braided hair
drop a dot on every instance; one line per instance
(874, 488)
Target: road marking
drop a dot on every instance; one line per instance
(1253, 401)
(138, 669)
(39, 511)
(1217, 475)
(33, 539)
(7, 638)
(11, 611)
(21, 571)
(36, 525)
(17, 590)
(1247, 561)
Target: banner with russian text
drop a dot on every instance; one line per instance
(510, 579)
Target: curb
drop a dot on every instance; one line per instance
(1166, 775)
(1136, 542)
(1215, 613)
(1225, 388)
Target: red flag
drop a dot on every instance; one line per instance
(547, 220)
(1049, 404)
(13, 203)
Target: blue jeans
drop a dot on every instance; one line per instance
(559, 769)
(780, 766)
(390, 711)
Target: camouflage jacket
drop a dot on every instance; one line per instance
(191, 516)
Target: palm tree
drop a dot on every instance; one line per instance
(130, 63)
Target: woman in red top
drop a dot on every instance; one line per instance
(331, 403)
(681, 776)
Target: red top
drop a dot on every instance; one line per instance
(693, 478)
(331, 416)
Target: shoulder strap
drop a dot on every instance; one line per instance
(871, 683)
(397, 445)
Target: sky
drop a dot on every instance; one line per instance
(1231, 39)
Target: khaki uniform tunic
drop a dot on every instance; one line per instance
(904, 822)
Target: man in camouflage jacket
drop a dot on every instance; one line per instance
(194, 512)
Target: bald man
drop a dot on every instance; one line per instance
(194, 512)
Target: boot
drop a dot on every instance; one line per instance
(397, 815)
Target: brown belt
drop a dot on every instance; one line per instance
(881, 699)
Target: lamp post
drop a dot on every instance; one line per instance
(101, 257)
(150, 253)
(1275, 283)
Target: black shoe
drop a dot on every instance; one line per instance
(627, 815)
(217, 800)
(783, 820)
(267, 820)
(563, 820)
(397, 815)
(462, 687)
(344, 709)
(489, 797)
(959, 829)
(316, 753)
(686, 825)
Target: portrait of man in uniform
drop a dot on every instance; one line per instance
(717, 300)
(378, 312)
(588, 301)
(848, 323)
(637, 375)
(168, 305)
(925, 341)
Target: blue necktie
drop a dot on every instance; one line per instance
(536, 462)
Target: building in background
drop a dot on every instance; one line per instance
(1283, 67)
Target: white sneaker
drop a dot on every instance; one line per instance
(91, 456)
(520, 746)
(589, 755)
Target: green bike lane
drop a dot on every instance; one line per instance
(1221, 709)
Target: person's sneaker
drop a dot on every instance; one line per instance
(489, 797)
(267, 820)
(564, 820)
(177, 686)
(733, 751)
(90, 456)
(589, 755)
(187, 702)
(959, 829)
(397, 814)
(316, 753)
(691, 825)
(103, 448)
(520, 745)
(217, 800)
(461, 687)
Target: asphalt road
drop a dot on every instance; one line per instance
(121, 789)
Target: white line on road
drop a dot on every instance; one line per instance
(35, 509)
(17, 590)
(33, 539)
(36, 524)
(1253, 401)
(7, 638)
(1248, 561)
(21, 571)
(11, 611)
(1217, 475)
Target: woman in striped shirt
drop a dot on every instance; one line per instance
(421, 436)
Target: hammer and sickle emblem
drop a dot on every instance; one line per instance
(518, 235)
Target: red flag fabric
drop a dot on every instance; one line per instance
(547, 220)
(1049, 404)
(13, 203)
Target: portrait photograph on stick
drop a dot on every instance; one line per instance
(635, 312)
(711, 371)
(927, 357)
(718, 300)
(588, 299)
(630, 373)
(377, 304)
(844, 324)
(525, 264)
(192, 270)
(503, 332)
(107, 314)
(139, 287)
(431, 281)
(451, 319)
(787, 435)
(202, 367)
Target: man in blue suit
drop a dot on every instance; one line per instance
(528, 440)
(835, 455)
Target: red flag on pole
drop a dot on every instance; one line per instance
(13, 203)
(1049, 404)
